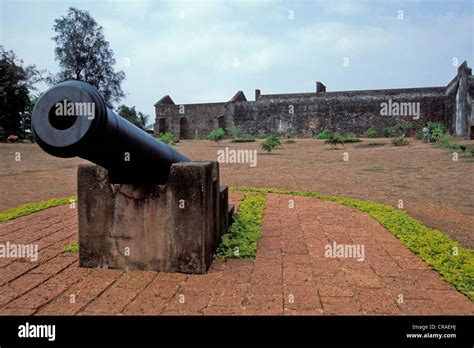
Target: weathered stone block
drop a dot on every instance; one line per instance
(172, 228)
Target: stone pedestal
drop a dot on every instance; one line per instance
(172, 228)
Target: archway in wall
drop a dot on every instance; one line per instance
(162, 128)
(183, 128)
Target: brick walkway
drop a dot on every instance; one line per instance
(290, 275)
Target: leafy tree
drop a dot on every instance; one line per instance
(16, 82)
(139, 119)
(216, 135)
(85, 55)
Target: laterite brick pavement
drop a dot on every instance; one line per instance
(290, 275)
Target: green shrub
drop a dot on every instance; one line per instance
(371, 132)
(216, 135)
(334, 139)
(270, 143)
(322, 135)
(436, 131)
(376, 144)
(274, 140)
(241, 239)
(397, 130)
(387, 132)
(350, 138)
(167, 138)
(400, 141)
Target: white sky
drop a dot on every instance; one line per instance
(189, 49)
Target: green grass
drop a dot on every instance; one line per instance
(454, 263)
(29, 208)
(71, 248)
(241, 239)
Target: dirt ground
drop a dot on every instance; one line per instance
(434, 188)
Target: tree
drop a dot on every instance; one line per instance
(216, 135)
(16, 82)
(234, 131)
(85, 55)
(139, 119)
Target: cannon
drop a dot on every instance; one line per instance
(143, 205)
(72, 119)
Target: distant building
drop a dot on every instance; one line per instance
(306, 114)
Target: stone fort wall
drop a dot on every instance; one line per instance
(306, 114)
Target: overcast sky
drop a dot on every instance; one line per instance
(204, 51)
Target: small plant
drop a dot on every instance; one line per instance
(216, 135)
(274, 140)
(436, 131)
(400, 141)
(322, 135)
(333, 140)
(371, 132)
(350, 138)
(12, 139)
(71, 248)
(167, 138)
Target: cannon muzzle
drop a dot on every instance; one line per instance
(72, 119)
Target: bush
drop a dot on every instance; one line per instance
(322, 135)
(246, 138)
(387, 132)
(351, 138)
(216, 135)
(371, 132)
(266, 146)
(374, 144)
(397, 130)
(334, 139)
(270, 143)
(400, 141)
(436, 131)
(167, 138)
(274, 140)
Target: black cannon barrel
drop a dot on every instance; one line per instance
(72, 119)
